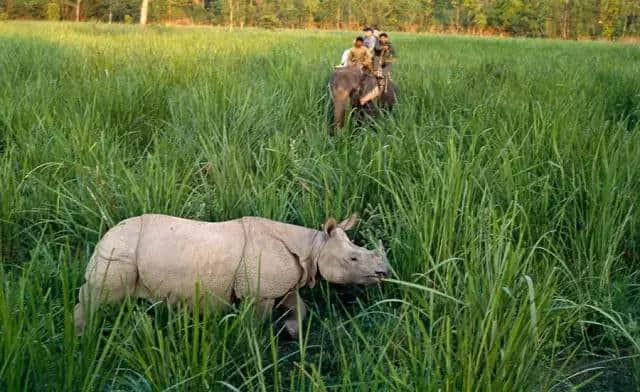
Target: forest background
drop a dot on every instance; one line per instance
(566, 19)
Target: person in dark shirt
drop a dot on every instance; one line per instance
(385, 55)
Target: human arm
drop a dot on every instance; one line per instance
(390, 54)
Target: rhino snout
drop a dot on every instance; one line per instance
(382, 272)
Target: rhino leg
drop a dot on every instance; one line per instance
(263, 307)
(109, 281)
(296, 313)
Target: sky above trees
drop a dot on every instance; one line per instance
(539, 18)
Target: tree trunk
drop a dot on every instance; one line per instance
(144, 11)
(230, 14)
(78, 3)
(110, 16)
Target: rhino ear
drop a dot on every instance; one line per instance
(329, 226)
(349, 223)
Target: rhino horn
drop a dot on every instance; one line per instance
(381, 247)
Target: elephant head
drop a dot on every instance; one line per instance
(347, 85)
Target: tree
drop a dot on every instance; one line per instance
(53, 11)
(144, 11)
(475, 14)
(78, 4)
(611, 17)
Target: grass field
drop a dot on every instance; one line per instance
(505, 186)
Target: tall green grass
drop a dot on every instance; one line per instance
(504, 185)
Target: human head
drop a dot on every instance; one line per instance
(384, 38)
(368, 31)
(358, 42)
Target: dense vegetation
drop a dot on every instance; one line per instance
(504, 185)
(567, 19)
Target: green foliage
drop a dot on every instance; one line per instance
(612, 23)
(53, 11)
(269, 21)
(504, 186)
(199, 15)
(27, 8)
(100, 9)
(4, 16)
(128, 19)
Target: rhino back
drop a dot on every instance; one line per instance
(174, 254)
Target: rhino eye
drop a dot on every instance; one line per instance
(353, 258)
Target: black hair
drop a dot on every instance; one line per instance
(360, 39)
(384, 35)
(367, 29)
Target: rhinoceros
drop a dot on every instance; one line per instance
(162, 257)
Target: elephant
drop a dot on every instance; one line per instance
(350, 83)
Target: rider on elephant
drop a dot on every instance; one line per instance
(385, 55)
(371, 39)
(359, 54)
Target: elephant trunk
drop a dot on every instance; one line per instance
(340, 103)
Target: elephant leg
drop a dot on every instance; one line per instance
(388, 98)
(296, 310)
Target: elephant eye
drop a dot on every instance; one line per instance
(353, 258)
